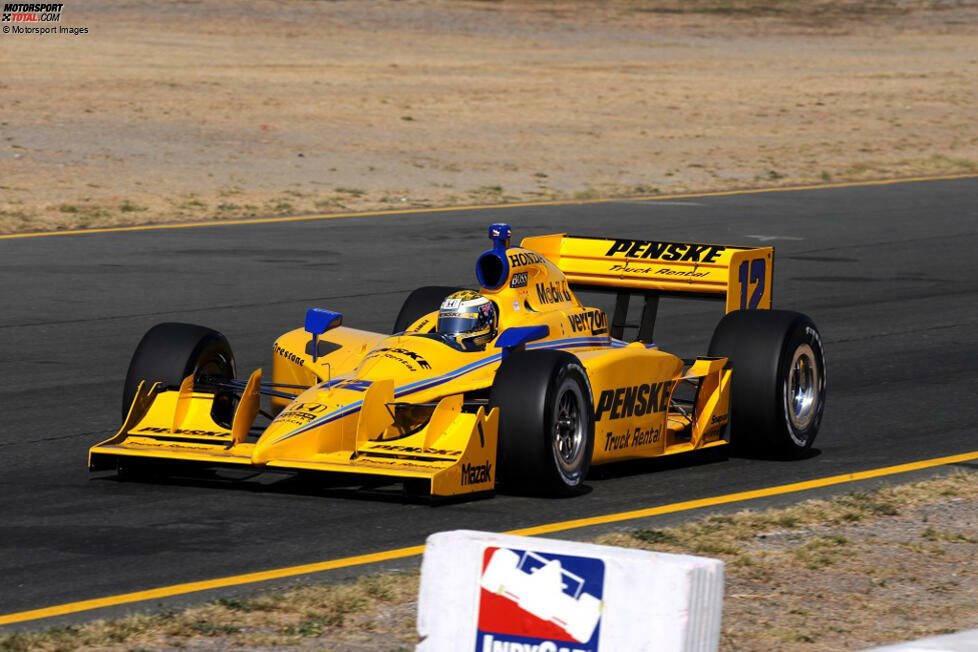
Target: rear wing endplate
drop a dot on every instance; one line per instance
(742, 277)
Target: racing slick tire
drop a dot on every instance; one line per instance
(419, 303)
(777, 392)
(546, 422)
(170, 352)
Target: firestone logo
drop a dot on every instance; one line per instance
(32, 12)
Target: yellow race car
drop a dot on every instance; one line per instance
(516, 382)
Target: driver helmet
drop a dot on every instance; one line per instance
(468, 317)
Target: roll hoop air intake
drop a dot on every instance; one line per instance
(492, 267)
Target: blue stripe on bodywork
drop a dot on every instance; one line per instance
(444, 378)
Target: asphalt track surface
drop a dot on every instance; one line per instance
(887, 272)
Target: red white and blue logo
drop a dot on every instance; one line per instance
(539, 601)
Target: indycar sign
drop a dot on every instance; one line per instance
(543, 602)
(500, 593)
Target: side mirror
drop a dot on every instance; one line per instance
(318, 321)
(517, 337)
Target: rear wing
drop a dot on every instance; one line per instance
(742, 277)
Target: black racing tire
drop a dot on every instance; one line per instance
(419, 303)
(546, 422)
(170, 352)
(777, 393)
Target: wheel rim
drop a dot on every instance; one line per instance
(802, 391)
(568, 431)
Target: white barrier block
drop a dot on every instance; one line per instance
(489, 592)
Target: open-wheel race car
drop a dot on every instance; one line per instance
(516, 383)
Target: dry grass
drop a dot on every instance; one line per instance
(865, 568)
(376, 612)
(258, 107)
(799, 10)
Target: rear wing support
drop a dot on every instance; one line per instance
(741, 277)
(646, 327)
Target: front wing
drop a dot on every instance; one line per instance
(455, 452)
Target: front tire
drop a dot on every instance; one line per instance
(777, 394)
(170, 352)
(546, 425)
(419, 303)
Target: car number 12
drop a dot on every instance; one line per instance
(751, 272)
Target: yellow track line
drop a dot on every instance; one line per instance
(399, 553)
(743, 495)
(561, 202)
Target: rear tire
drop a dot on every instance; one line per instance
(546, 424)
(777, 391)
(170, 352)
(419, 303)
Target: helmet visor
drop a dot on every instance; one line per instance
(454, 323)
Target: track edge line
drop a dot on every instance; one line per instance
(412, 551)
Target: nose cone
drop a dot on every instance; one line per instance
(279, 440)
(307, 426)
(321, 421)
(406, 359)
(392, 365)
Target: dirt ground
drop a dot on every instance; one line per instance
(177, 111)
(854, 587)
